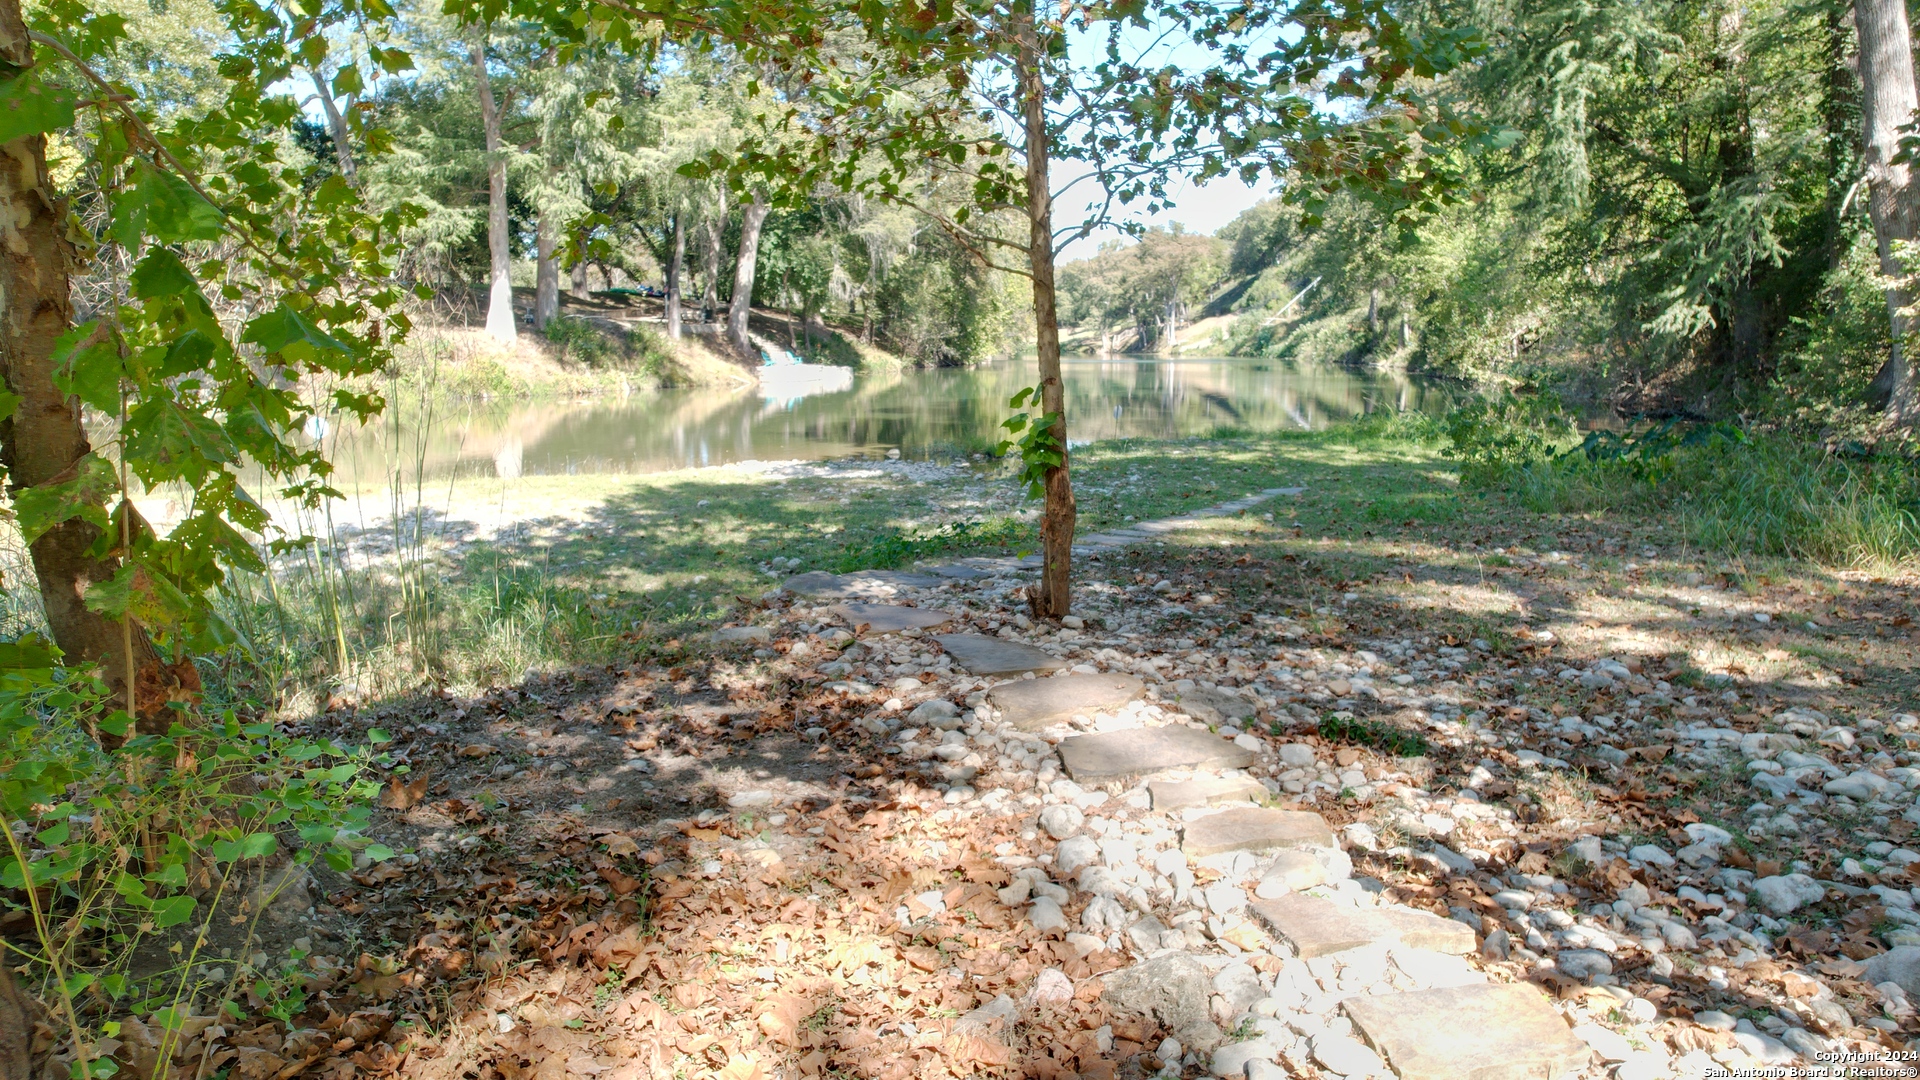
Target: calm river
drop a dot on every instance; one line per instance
(919, 413)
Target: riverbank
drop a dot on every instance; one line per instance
(1666, 791)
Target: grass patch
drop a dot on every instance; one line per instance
(1386, 738)
(898, 548)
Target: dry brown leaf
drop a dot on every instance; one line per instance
(399, 796)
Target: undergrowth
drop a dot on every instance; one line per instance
(1726, 488)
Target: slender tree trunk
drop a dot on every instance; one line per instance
(676, 268)
(500, 322)
(716, 218)
(1056, 527)
(336, 127)
(546, 273)
(751, 219)
(1887, 101)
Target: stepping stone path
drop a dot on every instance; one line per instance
(889, 618)
(982, 655)
(1207, 791)
(1114, 756)
(1256, 829)
(1315, 926)
(1215, 706)
(1032, 704)
(861, 584)
(1461, 1028)
(1491, 1032)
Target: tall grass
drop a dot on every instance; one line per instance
(389, 601)
(1768, 494)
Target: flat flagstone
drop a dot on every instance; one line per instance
(862, 584)
(956, 572)
(1032, 704)
(982, 655)
(1206, 791)
(1298, 870)
(1216, 705)
(1418, 929)
(1502, 1031)
(1122, 755)
(889, 618)
(1315, 926)
(1254, 829)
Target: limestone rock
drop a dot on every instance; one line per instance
(1175, 990)
(1032, 704)
(1255, 829)
(1503, 1031)
(1122, 755)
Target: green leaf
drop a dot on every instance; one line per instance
(161, 273)
(251, 846)
(41, 507)
(29, 106)
(289, 333)
(189, 352)
(172, 911)
(86, 364)
(55, 835)
(28, 652)
(348, 82)
(8, 403)
(157, 205)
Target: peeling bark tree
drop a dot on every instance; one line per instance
(500, 286)
(44, 440)
(1888, 101)
(741, 305)
(43, 443)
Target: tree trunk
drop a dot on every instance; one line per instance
(578, 284)
(20, 1015)
(45, 439)
(500, 285)
(546, 273)
(1056, 526)
(754, 216)
(1888, 100)
(716, 218)
(336, 127)
(676, 267)
(39, 444)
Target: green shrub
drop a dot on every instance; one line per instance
(1492, 437)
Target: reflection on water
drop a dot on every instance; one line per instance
(917, 412)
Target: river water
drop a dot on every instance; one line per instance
(920, 413)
